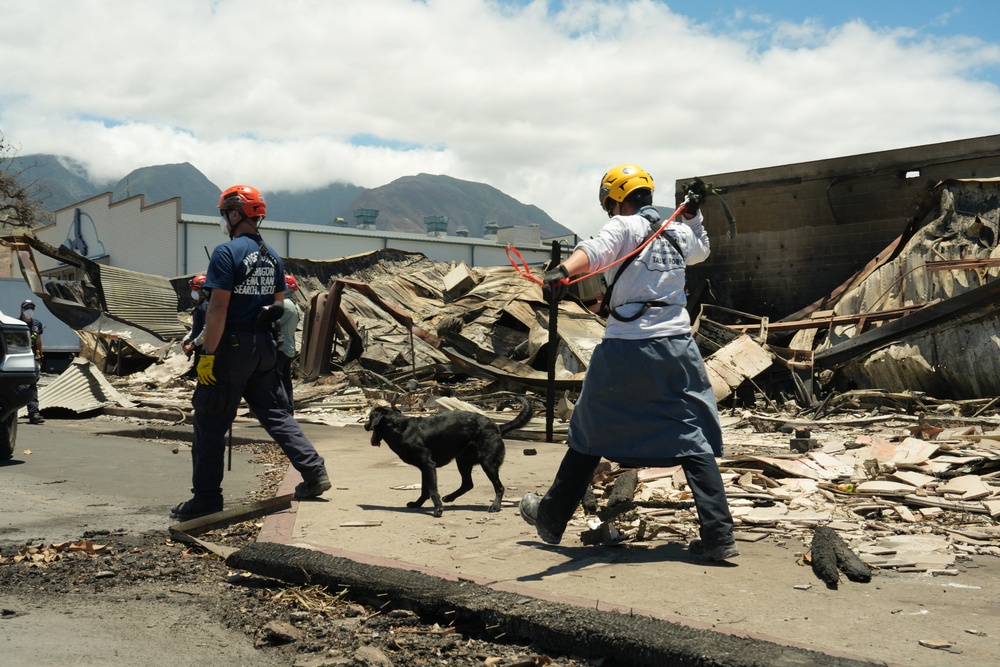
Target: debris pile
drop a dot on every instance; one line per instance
(919, 316)
(912, 483)
(897, 500)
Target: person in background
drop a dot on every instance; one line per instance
(239, 355)
(192, 341)
(286, 352)
(35, 329)
(646, 399)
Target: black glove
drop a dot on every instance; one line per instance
(269, 313)
(555, 284)
(694, 194)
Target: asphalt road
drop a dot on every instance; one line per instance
(70, 476)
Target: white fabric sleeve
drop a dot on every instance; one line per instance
(699, 248)
(608, 245)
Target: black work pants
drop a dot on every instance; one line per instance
(33, 403)
(245, 369)
(285, 372)
(576, 472)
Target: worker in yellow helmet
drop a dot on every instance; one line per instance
(646, 399)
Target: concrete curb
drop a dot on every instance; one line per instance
(627, 639)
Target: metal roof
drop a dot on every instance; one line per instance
(143, 299)
(81, 388)
(270, 225)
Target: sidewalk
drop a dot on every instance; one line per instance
(364, 518)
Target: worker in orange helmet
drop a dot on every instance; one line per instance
(192, 341)
(239, 356)
(289, 323)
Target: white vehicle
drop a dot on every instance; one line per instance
(17, 376)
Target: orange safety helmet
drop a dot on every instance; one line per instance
(244, 198)
(198, 282)
(291, 283)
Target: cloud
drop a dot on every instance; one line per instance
(536, 99)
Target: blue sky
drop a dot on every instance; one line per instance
(537, 98)
(944, 19)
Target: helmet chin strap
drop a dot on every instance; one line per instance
(229, 228)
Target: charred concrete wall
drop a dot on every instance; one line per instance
(803, 229)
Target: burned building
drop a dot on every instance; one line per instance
(803, 229)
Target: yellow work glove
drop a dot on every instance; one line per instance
(206, 369)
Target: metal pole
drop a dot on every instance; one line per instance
(550, 390)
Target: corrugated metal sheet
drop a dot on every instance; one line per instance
(81, 388)
(143, 299)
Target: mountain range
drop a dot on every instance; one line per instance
(58, 182)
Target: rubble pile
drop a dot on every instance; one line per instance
(913, 504)
(914, 492)
(909, 483)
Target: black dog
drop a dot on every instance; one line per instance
(431, 442)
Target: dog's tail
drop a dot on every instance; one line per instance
(521, 419)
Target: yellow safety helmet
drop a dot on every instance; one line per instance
(620, 181)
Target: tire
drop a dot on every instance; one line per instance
(8, 436)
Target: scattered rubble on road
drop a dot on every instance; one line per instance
(872, 412)
(914, 504)
(914, 492)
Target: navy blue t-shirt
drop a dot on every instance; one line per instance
(35, 328)
(229, 268)
(198, 319)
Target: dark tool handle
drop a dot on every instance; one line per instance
(550, 390)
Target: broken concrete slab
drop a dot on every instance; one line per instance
(731, 366)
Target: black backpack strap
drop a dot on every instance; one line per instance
(642, 311)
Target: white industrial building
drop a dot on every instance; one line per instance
(158, 239)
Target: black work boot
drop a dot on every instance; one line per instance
(714, 552)
(313, 487)
(36, 418)
(196, 507)
(529, 512)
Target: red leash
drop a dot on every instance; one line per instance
(525, 272)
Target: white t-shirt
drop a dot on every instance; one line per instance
(656, 274)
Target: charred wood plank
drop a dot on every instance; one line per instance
(621, 497)
(180, 531)
(850, 564)
(623, 489)
(824, 556)
(589, 501)
(830, 553)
